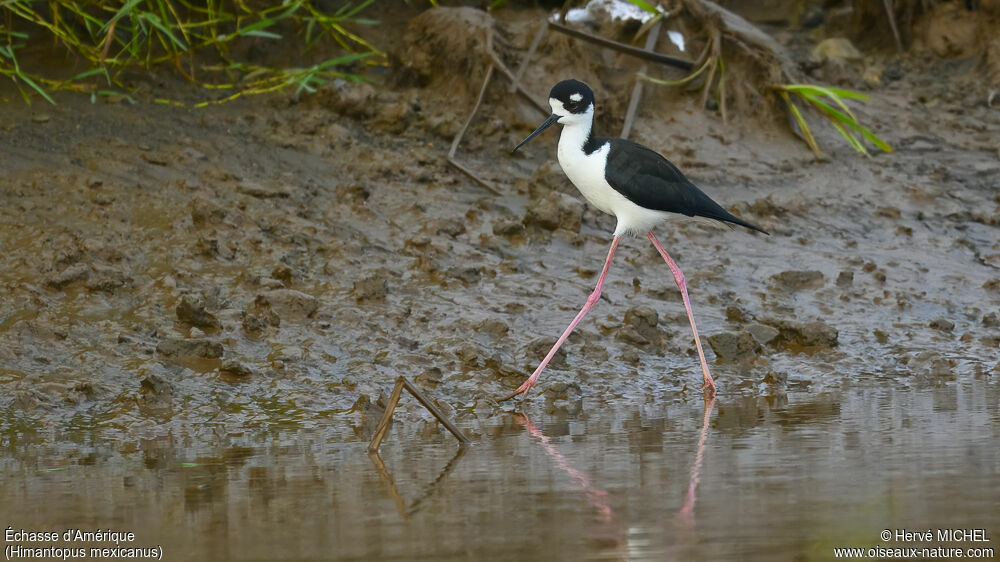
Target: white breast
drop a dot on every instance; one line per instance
(586, 171)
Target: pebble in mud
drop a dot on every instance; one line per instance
(807, 334)
(371, 288)
(204, 213)
(639, 327)
(290, 304)
(553, 211)
(731, 346)
(192, 311)
(68, 276)
(233, 370)
(181, 347)
(942, 324)
(763, 333)
(798, 280)
(507, 226)
(155, 393)
(258, 316)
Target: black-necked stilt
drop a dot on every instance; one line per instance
(635, 184)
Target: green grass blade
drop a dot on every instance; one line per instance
(27, 80)
(852, 123)
(261, 33)
(680, 82)
(803, 126)
(849, 94)
(646, 6)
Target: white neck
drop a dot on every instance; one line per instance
(574, 135)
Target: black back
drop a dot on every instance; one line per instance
(649, 180)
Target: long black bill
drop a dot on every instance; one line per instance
(548, 123)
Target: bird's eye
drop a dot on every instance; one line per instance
(572, 105)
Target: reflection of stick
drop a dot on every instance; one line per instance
(429, 490)
(622, 47)
(390, 407)
(383, 473)
(687, 511)
(633, 104)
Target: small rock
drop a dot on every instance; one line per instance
(845, 278)
(354, 99)
(449, 227)
(68, 276)
(430, 376)
(234, 369)
(290, 304)
(639, 327)
(494, 328)
(41, 117)
(258, 316)
(264, 191)
(553, 211)
(774, 378)
(797, 280)
(192, 310)
(155, 393)
(991, 320)
(467, 274)
(468, 353)
(205, 212)
(805, 334)
(507, 226)
(763, 333)
(180, 347)
(107, 279)
(942, 324)
(836, 49)
(371, 288)
(730, 346)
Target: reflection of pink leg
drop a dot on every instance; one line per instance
(591, 300)
(679, 278)
(687, 511)
(597, 498)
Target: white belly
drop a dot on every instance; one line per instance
(586, 171)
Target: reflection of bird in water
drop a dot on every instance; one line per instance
(596, 498)
(625, 179)
(686, 514)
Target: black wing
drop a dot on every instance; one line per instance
(649, 180)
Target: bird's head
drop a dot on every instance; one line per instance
(572, 103)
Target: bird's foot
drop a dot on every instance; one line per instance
(522, 390)
(708, 388)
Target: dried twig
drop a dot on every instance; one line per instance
(539, 35)
(890, 12)
(633, 104)
(461, 133)
(622, 47)
(390, 407)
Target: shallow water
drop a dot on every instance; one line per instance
(792, 476)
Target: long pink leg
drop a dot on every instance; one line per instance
(591, 301)
(679, 278)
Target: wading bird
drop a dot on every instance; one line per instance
(625, 179)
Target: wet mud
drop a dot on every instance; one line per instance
(238, 288)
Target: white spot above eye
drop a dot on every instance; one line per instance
(576, 97)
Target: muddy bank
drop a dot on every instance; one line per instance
(278, 262)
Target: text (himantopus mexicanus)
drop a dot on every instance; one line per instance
(635, 184)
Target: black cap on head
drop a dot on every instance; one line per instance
(575, 96)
